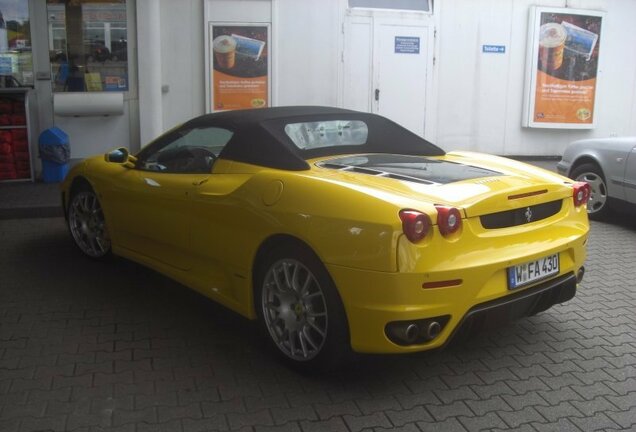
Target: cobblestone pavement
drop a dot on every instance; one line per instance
(86, 346)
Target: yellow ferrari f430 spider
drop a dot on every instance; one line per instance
(338, 230)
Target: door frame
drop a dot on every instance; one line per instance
(378, 23)
(43, 80)
(377, 17)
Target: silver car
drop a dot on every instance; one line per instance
(609, 166)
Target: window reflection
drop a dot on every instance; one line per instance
(16, 60)
(88, 45)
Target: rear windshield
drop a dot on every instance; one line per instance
(328, 133)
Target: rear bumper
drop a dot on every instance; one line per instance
(458, 283)
(498, 312)
(374, 301)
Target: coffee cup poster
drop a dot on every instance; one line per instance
(563, 55)
(240, 67)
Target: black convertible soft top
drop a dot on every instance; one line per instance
(260, 139)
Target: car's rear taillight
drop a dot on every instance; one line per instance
(581, 193)
(415, 224)
(449, 219)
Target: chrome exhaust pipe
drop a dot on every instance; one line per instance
(579, 274)
(433, 330)
(420, 331)
(411, 333)
(404, 333)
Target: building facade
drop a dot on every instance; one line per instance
(467, 75)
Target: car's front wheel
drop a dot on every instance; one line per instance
(87, 224)
(300, 309)
(597, 206)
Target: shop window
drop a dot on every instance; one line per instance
(88, 45)
(16, 60)
(415, 5)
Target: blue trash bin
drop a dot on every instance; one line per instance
(55, 153)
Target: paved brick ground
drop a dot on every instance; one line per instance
(86, 346)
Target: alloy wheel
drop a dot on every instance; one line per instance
(598, 196)
(294, 309)
(87, 224)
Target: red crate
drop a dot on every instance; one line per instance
(17, 119)
(4, 167)
(18, 107)
(21, 156)
(8, 175)
(18, 133)
(22, 165)
(7, 106)
(7, 158)
(20, 145)
(23, 174)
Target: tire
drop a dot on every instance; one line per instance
(598, 204)
(87, 224)
(300, 311)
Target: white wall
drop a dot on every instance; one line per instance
(306, 52)
(305, 37)
(171, 64)
(93, 135)
(472, 86)
(478, 98)
(481, 95)
(617, 106)
(182, 61)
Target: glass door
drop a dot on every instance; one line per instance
(88, 45)
(16, 59)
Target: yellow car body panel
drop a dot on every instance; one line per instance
(205, 230)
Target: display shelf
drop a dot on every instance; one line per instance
(16, 162)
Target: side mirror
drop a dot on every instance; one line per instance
(121, 155)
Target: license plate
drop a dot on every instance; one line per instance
(526, 273)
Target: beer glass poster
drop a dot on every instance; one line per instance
(563, 57)
(240, 66)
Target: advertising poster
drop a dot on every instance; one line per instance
(564, 55)
(240, 72)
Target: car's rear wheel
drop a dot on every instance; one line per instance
(87, 224)
(597, 206)
(300, 309)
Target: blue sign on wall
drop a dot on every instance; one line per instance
(493, 49)
(407, 45)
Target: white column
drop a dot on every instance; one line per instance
(149, 67)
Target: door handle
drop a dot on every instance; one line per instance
(377, 94)
(200, 182)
